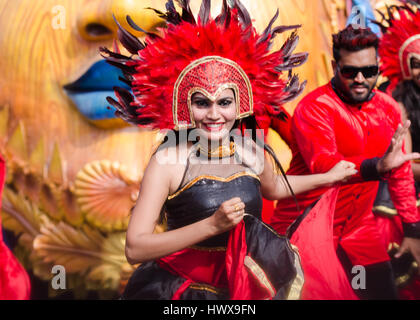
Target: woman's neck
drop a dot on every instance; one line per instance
(216, 149)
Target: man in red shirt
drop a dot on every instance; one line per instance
(348, 119)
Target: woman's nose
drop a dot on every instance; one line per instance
(95, 20)
(213, 113)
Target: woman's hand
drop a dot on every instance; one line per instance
(394, 156)
(341, 172)
(229, 214)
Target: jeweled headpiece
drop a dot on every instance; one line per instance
(400, 41)
(206, 56)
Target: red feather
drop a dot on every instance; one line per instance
(403, 23)
(163, 58)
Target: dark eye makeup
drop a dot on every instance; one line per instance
(203, 102)
(415, 63)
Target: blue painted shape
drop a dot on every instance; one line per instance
(89, 92)
(362, 14)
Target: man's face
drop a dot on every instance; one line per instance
(415, 70)
(355, 73)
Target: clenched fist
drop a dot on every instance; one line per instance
(228, 215)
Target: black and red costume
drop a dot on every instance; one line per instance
(208, 55)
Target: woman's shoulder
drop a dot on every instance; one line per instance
(251, 154)
(172, 155)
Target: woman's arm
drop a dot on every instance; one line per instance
(415, 166)
(408, 144)
(143, 245)
(274, 187)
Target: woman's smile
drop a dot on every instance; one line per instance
(214, 116)
(212, 126)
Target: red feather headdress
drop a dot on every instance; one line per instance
(400, 41)
(204, 56)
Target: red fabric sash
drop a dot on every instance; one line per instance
(14, 281)
(218, 268)
(325, 278)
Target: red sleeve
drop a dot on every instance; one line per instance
(313, 129)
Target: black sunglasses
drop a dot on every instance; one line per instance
(350, 72)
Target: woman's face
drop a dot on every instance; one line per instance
(214, 118)
(415, 70)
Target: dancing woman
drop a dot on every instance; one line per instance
(211, 84)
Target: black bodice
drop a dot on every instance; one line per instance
(202, 196)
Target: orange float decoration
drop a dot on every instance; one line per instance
(73, 169)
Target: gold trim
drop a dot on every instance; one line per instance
(401, 54)
(404, 279)
(297, 284)
(384, 210)
(225, 86)
(388, 211)
(207, 287)
(259, 274)
(208, 249)
(220, 152)
(205, 176)
(194, 64)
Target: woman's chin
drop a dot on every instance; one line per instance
(216, 136)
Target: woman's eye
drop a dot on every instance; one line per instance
(201, 103)
(225, 103)
(415, 64)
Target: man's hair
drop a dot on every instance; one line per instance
(354, 39)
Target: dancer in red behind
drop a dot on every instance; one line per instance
(399, 51)
(347, 119)
(14, 281)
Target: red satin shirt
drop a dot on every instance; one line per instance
(326, 130)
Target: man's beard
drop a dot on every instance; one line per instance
(345, 94)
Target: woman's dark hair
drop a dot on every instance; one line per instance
(408, 93)
(354, 39)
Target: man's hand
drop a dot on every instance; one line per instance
(394, 156)
(410, 245)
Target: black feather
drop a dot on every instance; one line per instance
(114, 54)
(187, 14)
(204, 12)
(293, 61)
(281, 29)
(123, 67)
(224, 14)
(129, 41)
(244, 16)
(290, 45)
(267, 32)
(294, 92)
(124, 96)
(126, 81)
(136, 27)
(172, 16)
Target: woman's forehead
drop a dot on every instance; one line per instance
(226, 93)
